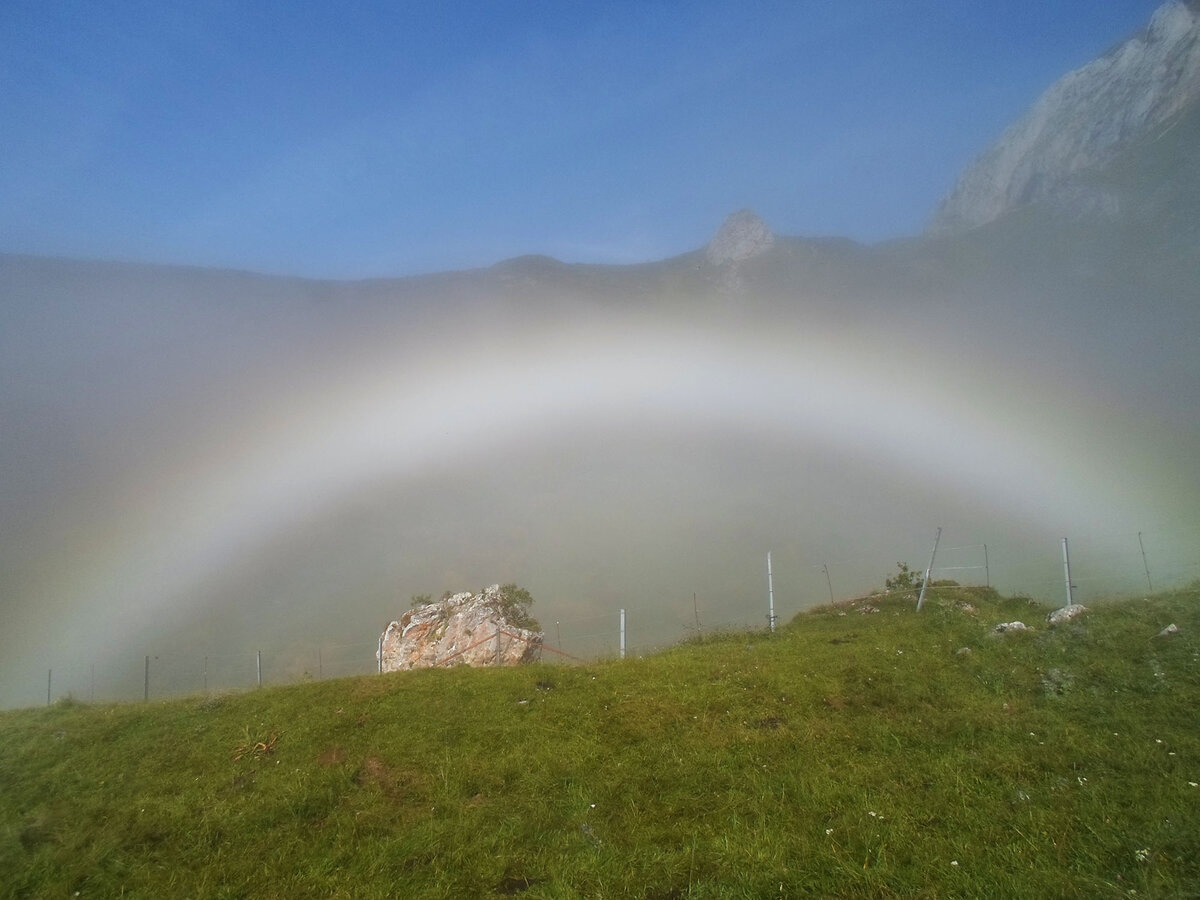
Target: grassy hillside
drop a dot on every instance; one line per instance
(854, 753)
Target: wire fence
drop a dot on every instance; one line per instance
(1124, 564)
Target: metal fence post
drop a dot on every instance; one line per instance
(770, 594)
(929, 568)
(1067, 574)
(1145, 565)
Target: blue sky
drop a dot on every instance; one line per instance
(367, 139)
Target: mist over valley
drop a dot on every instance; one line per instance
(207, 462)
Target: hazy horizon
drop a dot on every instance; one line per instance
(384, 141)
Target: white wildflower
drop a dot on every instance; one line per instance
(1142, 855)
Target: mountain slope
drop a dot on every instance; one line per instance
(1083, 121)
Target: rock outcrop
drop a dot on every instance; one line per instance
(742, 236)
(1082, 122)
(460, 630)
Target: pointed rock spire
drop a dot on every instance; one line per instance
(742, 235)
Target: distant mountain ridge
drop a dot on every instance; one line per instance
(1083, 122)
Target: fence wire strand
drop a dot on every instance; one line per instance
(1105, 565)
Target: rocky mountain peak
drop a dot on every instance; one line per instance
(743, 235)
(1084, 120)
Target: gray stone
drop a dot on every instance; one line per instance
(1065, 614)
(460, 630)
(1005, 627)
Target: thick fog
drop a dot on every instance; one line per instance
(199, 464)
(202, 464)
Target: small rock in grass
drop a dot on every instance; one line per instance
(1011, 626)
(963, 651)
(1066, 614)
(1169, 630)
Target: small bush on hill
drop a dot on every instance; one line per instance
(515, 607)
(904, 580)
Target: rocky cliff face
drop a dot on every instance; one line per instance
(460, 630)
(1082, 122)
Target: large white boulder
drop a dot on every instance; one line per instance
(459, 630)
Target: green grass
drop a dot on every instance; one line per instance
(851, 754)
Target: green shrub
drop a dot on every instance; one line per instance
(904, 580)
(514, 606)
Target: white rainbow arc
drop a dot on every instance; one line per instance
(393, 419)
